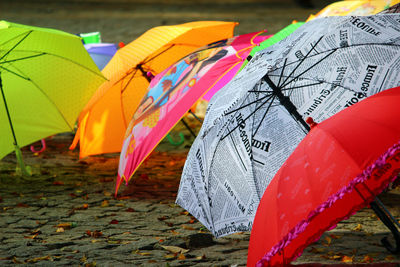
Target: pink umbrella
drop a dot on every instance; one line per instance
(174, 91)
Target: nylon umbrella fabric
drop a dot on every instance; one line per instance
(101, 53)
(243, 48)
(354, 8)
(254, 123)
(337, 169)
(175, 90)
(47, 77)
(104, 120)
(282, 34)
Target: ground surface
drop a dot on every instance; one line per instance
(67, 214)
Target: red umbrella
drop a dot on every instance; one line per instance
(337, 169)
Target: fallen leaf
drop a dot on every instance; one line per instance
(58, 183)
(94, 234)
(83, 259)
(181, 257)
(141, 253)
(104, 203)
(202, 257)
(367, 259)
(48, 258)
(162, 218)
(22, 205)
(347, 259)
(357, 228)
(130, 210)
(31, 236)
(389, 258)
(60, 230)
(184, 213)
(64, 225)
(188, 227)
(175, 232)
(107, 193)
(16, 261)
(114, 221)
(175, 249)
(170, 256)
(328, 241)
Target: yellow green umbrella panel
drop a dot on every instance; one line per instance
(46, 78)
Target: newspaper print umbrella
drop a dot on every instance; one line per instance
(46, 78)
(255, 122)
(104, 120)
(337, 169)
(175, 90)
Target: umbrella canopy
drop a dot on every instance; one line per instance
(255, 122)
(337, 169)
(46, 77)
(101, 53)
(173, 92)
(354, 7)
(103, 122)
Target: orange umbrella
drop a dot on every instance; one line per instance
(103, 122)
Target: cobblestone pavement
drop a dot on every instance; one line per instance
(67, 215)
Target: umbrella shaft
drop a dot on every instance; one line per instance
(285, 101)
(8, 113)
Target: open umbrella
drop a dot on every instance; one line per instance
(354, 8)
(337, 169)
(172, 93)
(101, 53)
(103, 122)
(46, 77)
(255, 122)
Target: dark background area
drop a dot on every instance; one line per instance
(125, 20)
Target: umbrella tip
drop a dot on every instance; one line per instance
(310, 121)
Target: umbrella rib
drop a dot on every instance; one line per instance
(122, 90)
(337, 48)
(248, 104)
(251, 114)
(20, 41)
(320, 81)
(237, 152)
(47, 97)
(16, 74)
(22, 58)
(281, 75)
(265, 114)
(302, 60)
(312, 66)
